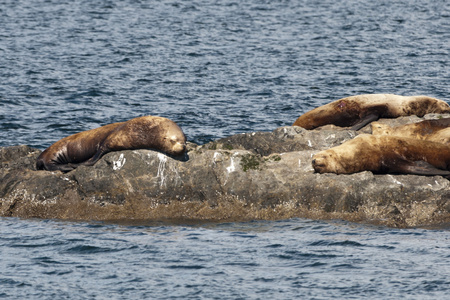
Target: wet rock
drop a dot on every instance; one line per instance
(262, 175)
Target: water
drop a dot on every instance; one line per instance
(292, 259)
(217, 68)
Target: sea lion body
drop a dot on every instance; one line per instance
(430, 130)
(87, 147)
(385, 154)
(358, 111)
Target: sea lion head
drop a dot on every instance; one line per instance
(441, 107)
(421, 105)
(173, 140)
(327, 161)
(350, 157)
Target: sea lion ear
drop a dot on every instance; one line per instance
(417, 168)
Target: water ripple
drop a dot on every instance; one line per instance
(217, 68)
(284, 259)
(270, 62)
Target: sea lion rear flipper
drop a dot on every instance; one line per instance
(418, 168)
(364, 121)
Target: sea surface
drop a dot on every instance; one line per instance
(216, 68)
(290, 259)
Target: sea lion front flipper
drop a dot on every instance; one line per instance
(418, 168)
(91, 161)
(364, 121)
(66, 168)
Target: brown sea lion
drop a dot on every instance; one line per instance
(87, 147)
(385, 154)
(430, 130)
(358, 111)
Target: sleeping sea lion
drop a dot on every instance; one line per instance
(87, 147)
(430, 130)
(358, 111)
(385, 154)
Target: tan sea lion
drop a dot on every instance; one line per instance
(87, 147)
(385, 154)
(358, 111)
(430, 130)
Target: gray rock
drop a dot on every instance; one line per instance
(284, 139)
(262, 175)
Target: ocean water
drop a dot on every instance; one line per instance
(217, 68)
(291, 259)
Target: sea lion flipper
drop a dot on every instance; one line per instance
(66, 168)
(366, 120)
(419, 168)
(91, 161)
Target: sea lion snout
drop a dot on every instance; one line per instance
(442, 108)
(176, 144)
(179, 148)
(319, 163)
(325, 162)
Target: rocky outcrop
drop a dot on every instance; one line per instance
(262, 175)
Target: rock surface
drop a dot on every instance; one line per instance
(262, 175)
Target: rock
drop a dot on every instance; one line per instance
(284, 139)
(18, 157)
(261, 175)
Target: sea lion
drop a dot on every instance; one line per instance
(87, 147)
(385, 154)
(430, 130)
(358, 111)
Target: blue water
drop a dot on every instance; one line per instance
(217, 68)
(292, 259)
